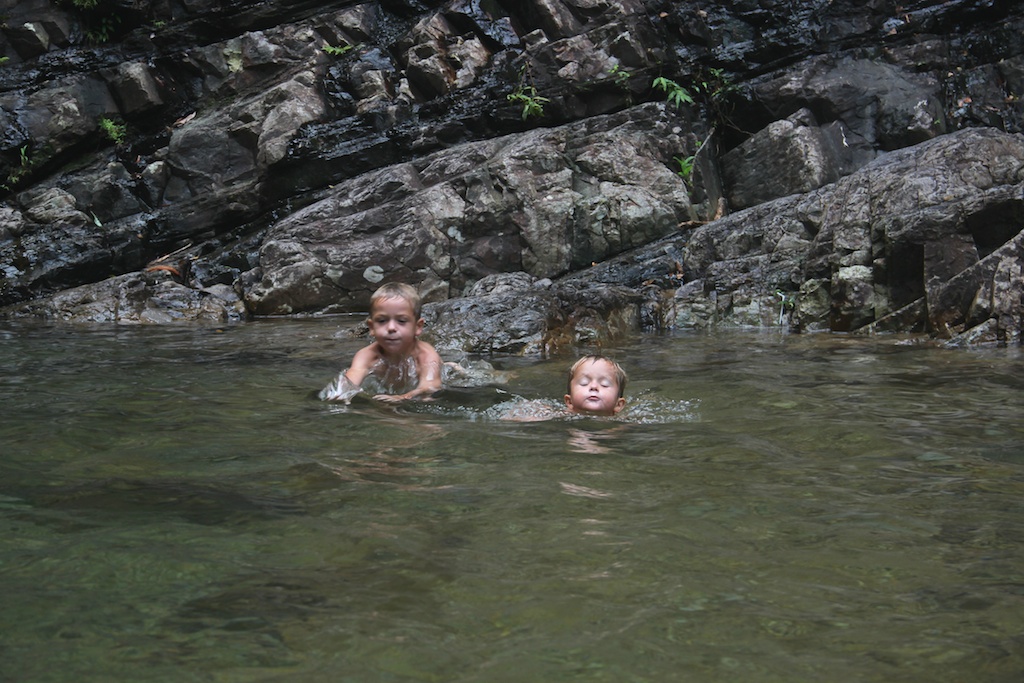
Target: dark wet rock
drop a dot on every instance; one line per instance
(520, 316)
(850, 256)
(885, 105)
(545, 202)
(135, 88)
(878, 240)
(790, 156)
(139, 298)
(841, 166)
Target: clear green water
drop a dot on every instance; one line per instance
(175, 505)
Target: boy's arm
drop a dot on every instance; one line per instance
(430, 374)
(347, 383)
(362, 364)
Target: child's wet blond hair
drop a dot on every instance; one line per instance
(398, 290)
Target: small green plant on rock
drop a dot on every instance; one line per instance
(621, 76)
(712, 86)
(526, 95)
(716, 84)
(675, 94)
(337, 50)
(15, 176)
(99, 20)
(103, 30)
(113, 129)
(533, 104)
(685, 167)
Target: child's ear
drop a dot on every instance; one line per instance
(619, 405)
(568, 403)
(419, 327)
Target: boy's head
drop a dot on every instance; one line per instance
(394, 320)
(398, 290)
(597, 386)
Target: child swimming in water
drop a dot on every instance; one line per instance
(597, 386)
(396, 358)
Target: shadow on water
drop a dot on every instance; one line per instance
(140, 501)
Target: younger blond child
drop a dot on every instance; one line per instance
(597, 386)
(396, 358)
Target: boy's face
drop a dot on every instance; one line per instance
(594, 390)
(395, 327)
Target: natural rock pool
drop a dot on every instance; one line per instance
(176, 505)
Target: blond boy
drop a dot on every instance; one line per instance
(397, 358)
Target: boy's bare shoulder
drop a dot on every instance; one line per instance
(367, 354)
(426, 353)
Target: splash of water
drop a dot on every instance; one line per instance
(396, 378)
(340, 389)
(388, 377)
(385, 378)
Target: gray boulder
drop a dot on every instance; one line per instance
(544, 202)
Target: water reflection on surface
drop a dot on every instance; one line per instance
(176, 504)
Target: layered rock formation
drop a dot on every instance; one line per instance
(548, 173)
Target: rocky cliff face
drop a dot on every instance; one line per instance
(582, 168)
